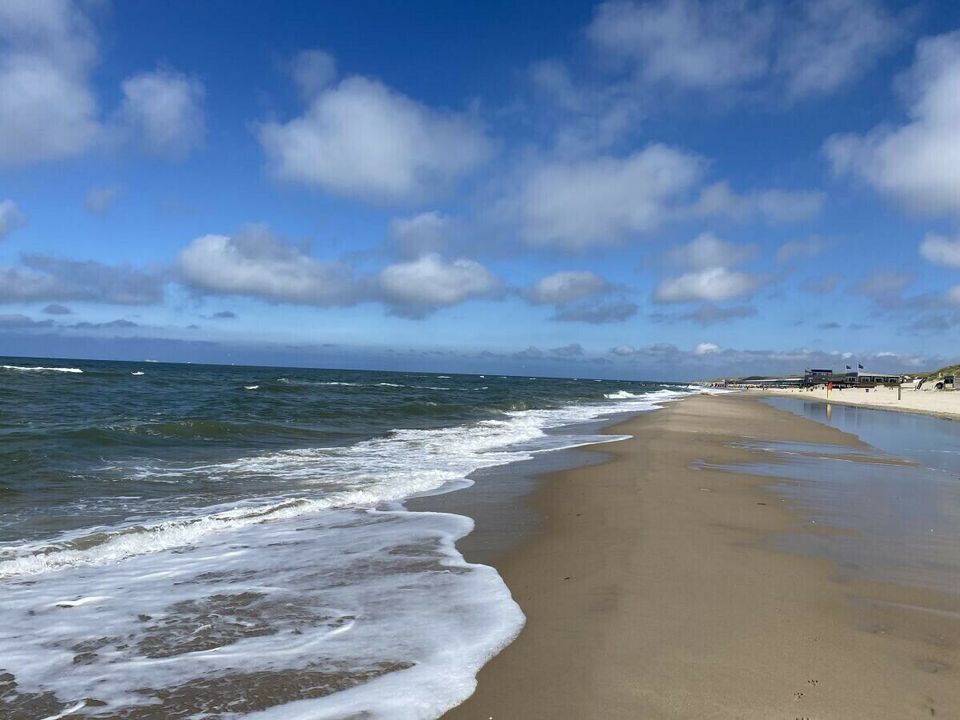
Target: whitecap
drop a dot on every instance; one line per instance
(42, 369)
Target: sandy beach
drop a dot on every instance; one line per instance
(653, 590)
(942, 404)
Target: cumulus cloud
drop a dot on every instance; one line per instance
(418, 287)
(712, 284)
(710, 278)
(364, 140)
(834, 42)
(47, 108)
(45, 278)
(163, 110)
(918, 163)
(10, 218)
(581, 296)
(427, 232)
(706, 348)
(99, 199)
(709, 251)
(567, 286)
(941, 250)
(574, 205)
(773, 205)
(797, 51)
(256, 263)
(685, 42)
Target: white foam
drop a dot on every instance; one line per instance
(251, 387)
(621, 395)
(137, 372)
(42, 369)
(325, 589)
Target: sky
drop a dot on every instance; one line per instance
(670, 189)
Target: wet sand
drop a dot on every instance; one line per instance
(652, 590)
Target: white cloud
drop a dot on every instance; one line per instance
(45, 278)
(917, 164)
(834, 42)
(313, 71)
(256, 263)
(417, 235)
(709, 258)
(47, 109)
(941, 250)
(598, 202)
(99, 199)
(709, 251)
(713, 285)
(953, 295)
(567, 286)
(420, 286)
(581, 296)
(163, 110)
(797, 50)
(685, 42)
(706, 348)
(361, 139)
(774, 205)
(10, 217)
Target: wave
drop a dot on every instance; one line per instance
(368, 473)
(137, 372)
(20, 368)
(621, 395)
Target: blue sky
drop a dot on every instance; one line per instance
(665, 189)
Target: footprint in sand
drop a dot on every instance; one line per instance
(933, 666)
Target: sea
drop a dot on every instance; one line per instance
(200, 541)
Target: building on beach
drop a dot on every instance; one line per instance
(851, 378)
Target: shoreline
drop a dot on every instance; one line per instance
(650, 591)
(942, 404)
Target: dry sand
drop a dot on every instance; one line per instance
(943, 403)
(651, 593)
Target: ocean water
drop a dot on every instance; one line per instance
(183, 541)
(896, 501)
